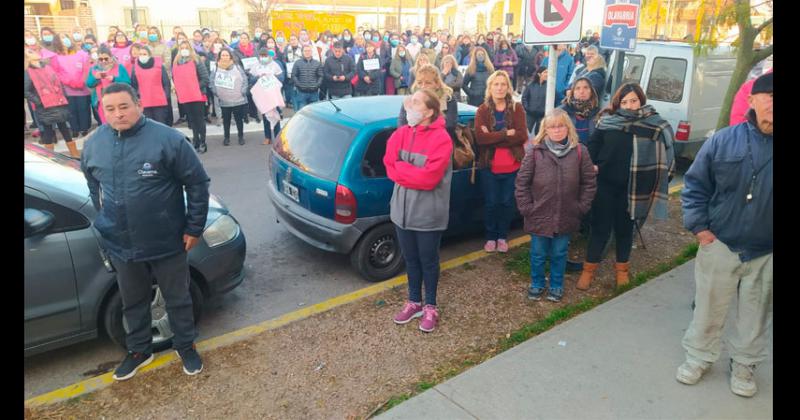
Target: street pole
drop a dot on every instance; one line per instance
(620, 62)
(399, 13)
(552, 68)
(427, 13)
(135, 17)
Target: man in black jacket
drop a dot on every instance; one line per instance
(307, 76)
(339, 69)
(137, 170)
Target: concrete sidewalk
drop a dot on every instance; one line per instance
(615, 361)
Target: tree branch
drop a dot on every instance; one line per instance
(763, 25)
(762, 54)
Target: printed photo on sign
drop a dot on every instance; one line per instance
(268, 82)
(372, 64)
(224, 81)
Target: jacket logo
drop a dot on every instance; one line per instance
(147, 170)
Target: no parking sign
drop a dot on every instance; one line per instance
(552, 21)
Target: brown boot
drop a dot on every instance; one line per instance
(622, 273)
(587, 275)
(73, 149)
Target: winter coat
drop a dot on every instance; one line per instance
(363, 87)
(475, 86)
(565, 68)
(136, 181)
(230, 97)
(584, 127)
(525, 66)
(455, 80)
(598, 79)
(462, 55)
(450, 115)
(342, 66)
(534, 98)
(418, 160)
(489, 142)
(503, 56)
(717, 183)
(400, 67)
(307, 75)
(554, 193)
(92, 82)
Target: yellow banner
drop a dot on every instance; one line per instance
(292, 21)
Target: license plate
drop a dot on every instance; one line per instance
(291, 191)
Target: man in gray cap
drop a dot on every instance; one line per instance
(727, 204)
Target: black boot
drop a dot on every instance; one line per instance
(241, 140)
(574, 266)
(196, 143)
(226, 141)
(203, 146)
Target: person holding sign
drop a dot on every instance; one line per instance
(369, 73)
(266, 79)
(229, 85)
(150, 78)
(191, 82)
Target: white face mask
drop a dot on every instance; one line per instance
(144, 59)
(414, 117)
(30, 41)
(184, 53)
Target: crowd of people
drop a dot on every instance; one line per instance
(240, 77)
(576, 167)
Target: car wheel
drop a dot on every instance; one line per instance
(115, 323)
(377, 255)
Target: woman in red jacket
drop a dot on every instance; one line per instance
(191, 83)
(501, 131)
(418, 160)
(151, 80)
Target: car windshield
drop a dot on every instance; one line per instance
(55, 169)
(315, 145)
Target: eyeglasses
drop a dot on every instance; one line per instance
(103, 59)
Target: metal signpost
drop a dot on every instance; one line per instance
(551, 22)
(620, 26)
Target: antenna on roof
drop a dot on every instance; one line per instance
(334, 105)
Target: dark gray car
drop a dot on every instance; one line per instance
(70, 289)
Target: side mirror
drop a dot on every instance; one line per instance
(38, 221)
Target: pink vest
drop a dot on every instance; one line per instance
(123, 56)
(150, 89)
(72, 70)
(45, 53)
(187, 85)
(47, 86)
(114, 71)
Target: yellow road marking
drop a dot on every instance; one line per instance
(102, 381)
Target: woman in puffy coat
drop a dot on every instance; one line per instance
(506, 59)
(478, 71)
(534, 99)
(555, 187)
(418, 160)
(369, 81)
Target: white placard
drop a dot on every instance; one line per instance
(463, 69)
(212, 65)
(223, 80)
(372, 64)
(289, 67)
(268, 82)
(249, 62)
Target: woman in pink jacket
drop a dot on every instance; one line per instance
(418, 160)
(72, 66)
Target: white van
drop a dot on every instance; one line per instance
(685, 89)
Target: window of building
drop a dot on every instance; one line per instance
(141, 13)
(667, 79)
(67, 4)
(210, 18)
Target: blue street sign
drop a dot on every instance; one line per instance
(620, 24)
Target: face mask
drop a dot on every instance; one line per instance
(413, 40)
(234, 39)
(264, 60)
(347, 38)
(142, 34)
(30, 41)
(121, 44)
(144, 59)
(402, 53)
(152, 38)
(47, 38)
(77, 36)
(87, 47)
(258, 34)
(427, 44)
(184, 53)
(395, 42)
(281, 40)
(67, 43)
(480, 58)
(414, 117)
(94, 56)
(386, 37)
(375, 39)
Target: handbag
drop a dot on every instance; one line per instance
(463, 152)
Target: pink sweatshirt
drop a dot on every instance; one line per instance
(72, 70)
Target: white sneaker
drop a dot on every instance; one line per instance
(742, 381)
(691, 371)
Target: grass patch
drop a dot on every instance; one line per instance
(469, 266)
(518, 262)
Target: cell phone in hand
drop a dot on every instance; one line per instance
(103, 74)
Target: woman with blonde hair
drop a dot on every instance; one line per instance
(557, 177)
(428, 78)
(452, 76)
(422, 60)
(190, 78)
(501, 131)
(476, 76)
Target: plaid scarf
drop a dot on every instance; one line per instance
(652, 162)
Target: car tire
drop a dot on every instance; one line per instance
(377, 255)
(162, 340)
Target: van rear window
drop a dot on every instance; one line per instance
(315, 145)
(667, 80)
(632, 72)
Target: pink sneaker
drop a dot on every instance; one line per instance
(429, 318)
(490, 246)
(410, 311)
(502, 245)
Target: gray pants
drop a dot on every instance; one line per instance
(135, 280)
(720, 276)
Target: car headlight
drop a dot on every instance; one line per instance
(222, 231)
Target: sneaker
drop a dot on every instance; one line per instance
(132, 363)
(490, 246)
(742, 382)
(410, 311)
(502, 245)
(192, 364)
(555, 295)
(535, 293)
(429, 318)
(691, 371)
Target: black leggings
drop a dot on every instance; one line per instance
(162, 114)
(49, 133)
(610, 212)
(195, 114)
(238, 115)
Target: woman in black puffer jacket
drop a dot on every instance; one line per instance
(478, 72)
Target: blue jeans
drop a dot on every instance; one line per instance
(288, 91)
(421, 253)
(302, 99)
(556, 248)
(341, 97)
(498, 196)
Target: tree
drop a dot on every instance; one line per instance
(261, 10)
